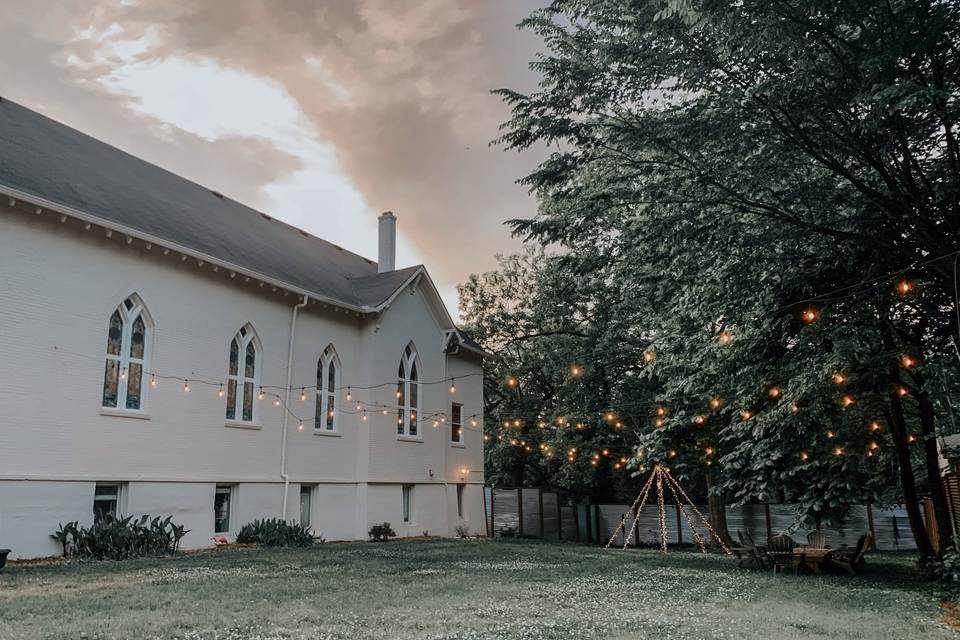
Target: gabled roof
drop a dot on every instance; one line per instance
(73, 172)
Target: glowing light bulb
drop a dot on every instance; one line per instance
(700, 420)
(904, 287)
(716, 403)
(911, 438)
(671, 454)
(486, 438)
(649, 356)
(708, 451)
(511, 381)
(873, 445)
(123, 373)
(220, 392)
(186, 386)
(606, 452)
(810, 315)
(907, 361)
(572, 450)
(384, 412)
(794, 407)
(473, 422)
(725, 338)
(804, 456)
(838, 451)
(847, 401)
(661, 411)
(364, 417)
(350, 394)
(153, 379)
(831, 434)
(839, 378)
(435, 424)
(330, 413)
(358, 406)
(658, 422)
(260, 394)
(874, 426)
(276, 402)
(453, 387)
(300, 426)
(902, 391)
(746, 414)
(303, 394)
(774, 392)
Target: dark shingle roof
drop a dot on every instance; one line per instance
(46, 159)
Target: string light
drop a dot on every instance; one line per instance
(911, 438)
(276, 402)
(708, 451)
(725, 338)
(300, 426)
(364, 416)
(804, 456)
(774, 392)
(511, 381)
(661, 411)
(649, 356)
(902, 391)
(839, 378)
(671, 454)
(186, 386)
(746, 415)
(907, 361)
(659, 422)
(904, 287)
(350, 395)
(220, 392)
(123, 373)
(847, 401)
(810, 315)
(838, 451)
(260, 394)
(453, 385)
(874, 426)
(153, 380)
(716, 403)
(576, 371)
(831, 434)
(794, 407)
(303, 394)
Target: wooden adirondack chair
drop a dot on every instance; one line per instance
(780, 552)
(852, 559)
(817, 539)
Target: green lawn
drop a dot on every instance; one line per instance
(460, 589)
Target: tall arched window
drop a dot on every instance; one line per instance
(243, 376)
(408, 393)
(328, 374)
(128, 337)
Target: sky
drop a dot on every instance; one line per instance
(322, 113)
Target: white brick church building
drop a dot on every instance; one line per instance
(165, 350)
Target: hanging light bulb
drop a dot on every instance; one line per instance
(838, 451)
(659, 422)
(153, 379)
(831, 434)
(473, 422)
(746, 414)
(511, 381)
(699, 420)
(671, 454)
(874, 426)
(911, 438)
(576, 371)
(350, 395)
(303, 394)
(804, 456)
(794, 407)
(606, 452)
(220, 392)
(300, 426)
(907, 361)
(364, 417)
(709, 451)
(649, 356)
(384, 412)
(123, 373)
(661, 411)
(358, 406)
(902, 391)
(725, 338)
(716, 403)
(904, 286)
(774, 392)
(399, 393)
(486, 437)
(847, 401)
(839, 378)
(276, 402)
(186, 386)
(453, 385)
(435, 424)
(810, 315)
(260, 394)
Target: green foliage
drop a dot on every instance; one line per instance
(381, 532)
(275, 533)
(111, 538)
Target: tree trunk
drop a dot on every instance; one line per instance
(718, 511)
(894, 416)
(938, 494)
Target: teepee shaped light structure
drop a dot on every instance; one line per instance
(658, 478)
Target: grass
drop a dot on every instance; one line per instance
(459, 589)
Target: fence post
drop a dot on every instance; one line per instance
(596, 518)
(766, 515)
(873, 533)
(520, 509)
(540, 510)
(679, 526)
(559, 519)
(576, 520)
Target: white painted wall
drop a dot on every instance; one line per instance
(58, 286)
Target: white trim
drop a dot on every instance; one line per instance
(245, 338)
(125, 413)
(235, 424)
(328, 434)
(323, 411)
(410, 438)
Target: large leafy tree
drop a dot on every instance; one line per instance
(720, 163)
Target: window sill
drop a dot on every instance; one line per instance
(410, 439)
(458, 445)
(328, 434)
(124, 413)
(234, 424)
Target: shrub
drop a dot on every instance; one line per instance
(462, 532)
(381, 532)
(112, 538)
(275, 533)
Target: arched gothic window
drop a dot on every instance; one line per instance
(128, 348)
(408, 393)
(328, 376)
(243, 375)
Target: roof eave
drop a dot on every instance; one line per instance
(84, 216)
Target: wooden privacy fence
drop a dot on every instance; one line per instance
(537, 513)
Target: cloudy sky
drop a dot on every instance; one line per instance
(320, 112)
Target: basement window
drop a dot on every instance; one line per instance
(106, 500)
(221, 508)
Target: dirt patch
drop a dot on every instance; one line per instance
(950, 614)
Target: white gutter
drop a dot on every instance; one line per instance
(286, 406)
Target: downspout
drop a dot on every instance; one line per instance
(286, 406)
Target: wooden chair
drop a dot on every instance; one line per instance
(817, 539)
(852, 559)
(747, 552)
(780, 552)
